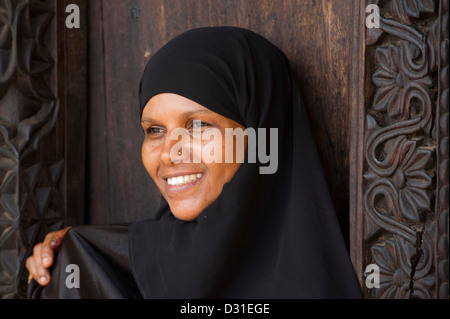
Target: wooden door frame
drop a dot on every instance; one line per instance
(399, 149)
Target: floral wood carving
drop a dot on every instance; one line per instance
(405, 160)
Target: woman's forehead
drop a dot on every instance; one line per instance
(170, 106)
(173, 105)
(172, 102)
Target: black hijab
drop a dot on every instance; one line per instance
(266, 235)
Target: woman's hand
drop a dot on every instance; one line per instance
(43, 257)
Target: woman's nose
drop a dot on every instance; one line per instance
(176, 147)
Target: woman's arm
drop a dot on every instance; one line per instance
(43, 257)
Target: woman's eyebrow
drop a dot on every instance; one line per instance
(147, 121)
(185, 115)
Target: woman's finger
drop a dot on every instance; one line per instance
(31, 267)
(52, 243)
(41, 274)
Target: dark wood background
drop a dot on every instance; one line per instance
(124, 34)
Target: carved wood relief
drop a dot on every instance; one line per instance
(32, 122)
(29, 184)
(402, 196)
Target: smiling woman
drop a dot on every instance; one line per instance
(189, 186)
(224, 230)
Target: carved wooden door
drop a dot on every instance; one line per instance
(42, 144)
(399, 149)
(377, 100)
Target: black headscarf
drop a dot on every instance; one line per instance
(266, 235)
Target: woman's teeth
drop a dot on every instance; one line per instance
(180, 180)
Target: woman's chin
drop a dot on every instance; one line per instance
(185, 213)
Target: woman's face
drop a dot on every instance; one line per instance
(187, 178)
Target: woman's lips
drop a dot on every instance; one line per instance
(182, 183)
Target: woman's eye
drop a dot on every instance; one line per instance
(154, 131)
(199, 124)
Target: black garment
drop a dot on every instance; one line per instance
(266, 235)
(101, 255)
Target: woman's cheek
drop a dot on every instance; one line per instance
(150, 160)
(196, 151)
